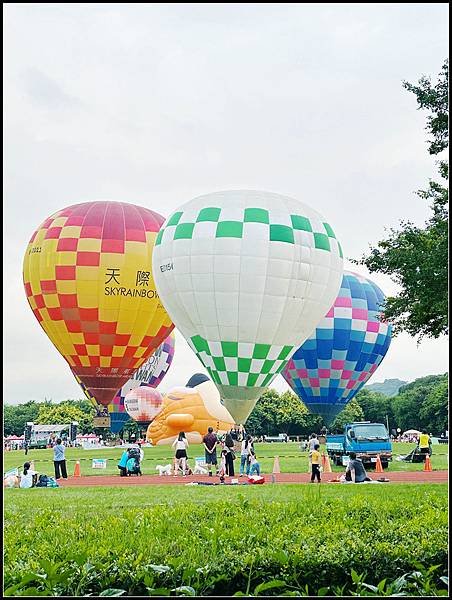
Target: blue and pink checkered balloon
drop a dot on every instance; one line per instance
(344, 351)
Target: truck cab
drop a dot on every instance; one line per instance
(367, 439)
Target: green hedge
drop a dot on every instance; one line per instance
(222, 540)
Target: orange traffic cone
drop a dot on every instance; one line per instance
(77, 469)
(326, 463)
(378, 465)
(276, 469)
(427, 464)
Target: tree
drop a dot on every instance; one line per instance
(416, 258)
(290, 413)
(376, 407)
(436, 100)
(65, 413)
(131, 427)
(262, 420)
(16, 416)
(285, 413)
(351, 413)
(434, 409)
(411, 406)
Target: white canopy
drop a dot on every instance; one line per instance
(411, 432)
(49, 428)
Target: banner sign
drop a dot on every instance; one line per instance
(99, 463)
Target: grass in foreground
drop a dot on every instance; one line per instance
(161, 540)
(291, 458)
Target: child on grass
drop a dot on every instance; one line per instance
(315, 464)
(254, 465)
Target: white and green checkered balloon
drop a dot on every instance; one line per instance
(246, 276)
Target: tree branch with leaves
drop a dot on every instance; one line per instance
(416, 258)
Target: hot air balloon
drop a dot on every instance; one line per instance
(88, 279)
(246, 276)
(143, 404)
(115, 410)
(334, 363)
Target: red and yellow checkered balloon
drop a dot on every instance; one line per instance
(88, 279)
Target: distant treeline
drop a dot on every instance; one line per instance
(420, 404)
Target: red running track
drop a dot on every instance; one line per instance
(115, 480)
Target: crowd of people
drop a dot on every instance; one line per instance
(220, 454)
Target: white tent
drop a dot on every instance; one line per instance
(49, 428)
(411, 432)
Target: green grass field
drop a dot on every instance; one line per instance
(291, 458)
(223, 540)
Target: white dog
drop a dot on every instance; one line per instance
(166, 470)
(199, 470)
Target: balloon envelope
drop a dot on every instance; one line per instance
(150, 374)
(344, 351)
(246, 276)
(88, 279)
(143, 404)
(153, 371)
(115, 410)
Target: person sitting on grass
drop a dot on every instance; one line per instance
(355, 471)
(28, 477)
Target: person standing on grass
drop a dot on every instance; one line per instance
(59, 460)
(315, 464)
(230, 454)
(424, 443)
(222, 469)
(244, 455)
(180, 458)
(210, 442)
(141, 452)
(312, 442)
(254, 466)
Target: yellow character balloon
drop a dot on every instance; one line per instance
(88, 279)
(192, 410)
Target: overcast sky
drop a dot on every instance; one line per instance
(156, 104)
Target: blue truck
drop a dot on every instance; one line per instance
(366, 439)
